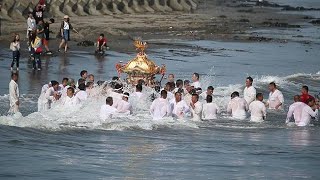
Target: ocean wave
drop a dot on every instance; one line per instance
(87, 115)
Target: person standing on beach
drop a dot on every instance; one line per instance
(65, 32)
(257, 109)
(38, 12)
(31, 26)
(47, 28)
(249, 91)
(36, 51)
(14, 94)
(41, 35)
(276, 99)
(15, 47)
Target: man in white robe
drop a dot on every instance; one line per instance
(292, 108)
(82, 95)
(189, 90)
(63, 87)
(178, 106)
(14, 94)
(210, 109)
(70, 100)
(106, 110)
(169, 87)
(195, 107)
(309, 110)
(138, 93)
(237, 106)
(123, 105)
(196, 83)
(249, 92)
(52, 95)
(116, 94)
(160, 107)
(276, 99)
(42, 99)
(203, 95)
(258, 109)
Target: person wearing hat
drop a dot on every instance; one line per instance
(65, 32)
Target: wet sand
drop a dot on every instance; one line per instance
(214, 20)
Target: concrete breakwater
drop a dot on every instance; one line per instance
(18, 9)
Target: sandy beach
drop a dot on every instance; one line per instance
(213, 20)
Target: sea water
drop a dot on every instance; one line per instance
(75, 144)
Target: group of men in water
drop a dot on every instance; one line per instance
(178, 99)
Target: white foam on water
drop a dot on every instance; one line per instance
(87, 115)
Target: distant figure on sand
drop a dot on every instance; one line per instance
(36, 51)
(38, 12)
(65, 32)
(249, 92)
(101, 43)
(41, 35)
(15, 47)
(14, 94)
(237, 106)
(31, 25)
(257, 109)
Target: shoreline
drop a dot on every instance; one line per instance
(222, 21)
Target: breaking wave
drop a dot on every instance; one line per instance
(86, 116)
